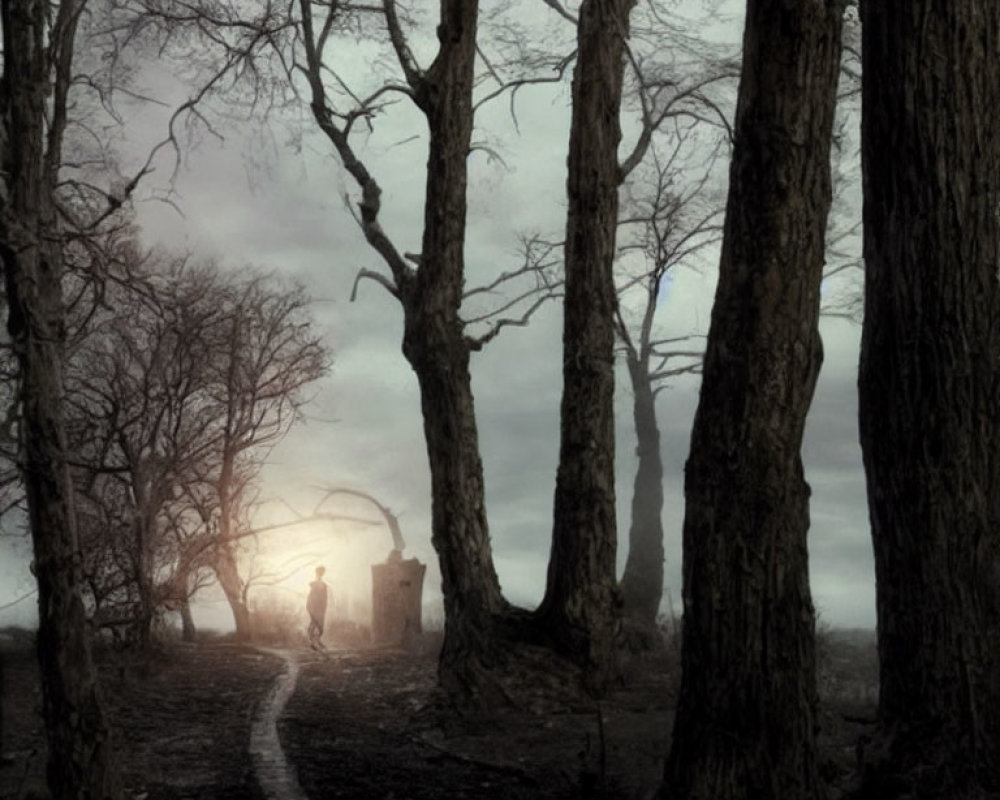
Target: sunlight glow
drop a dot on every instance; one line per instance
(282, 563)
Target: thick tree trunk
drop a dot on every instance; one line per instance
(473, 649)
(746, 716)
(930, 390)
(435, 346)
(80, 764)
(580, 609)
(226, 570)
(642, 581)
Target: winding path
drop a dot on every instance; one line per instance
(275, 775)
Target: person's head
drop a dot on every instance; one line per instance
(320, 571)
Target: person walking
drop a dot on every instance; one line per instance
(316, 606)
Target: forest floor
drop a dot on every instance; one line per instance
(366, 724)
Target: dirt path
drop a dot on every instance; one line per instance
(276, 776)
(201, 723)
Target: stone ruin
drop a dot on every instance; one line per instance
(397, 600)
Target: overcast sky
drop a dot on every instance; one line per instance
(283, 209)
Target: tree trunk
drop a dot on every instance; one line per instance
(142, 543)
(144, 614)
(189, 633)
(436, 348)
(226, 570)
(642, 581)
(223, 554)
(80, 763)
(746, 716)
(581, 604)
(929, 390)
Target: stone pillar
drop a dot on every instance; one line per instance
(397, 597)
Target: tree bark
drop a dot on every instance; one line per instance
(746, 716)
(435, 346)
(581, 606)
(36, 71)
(642, 581)
(930, 390)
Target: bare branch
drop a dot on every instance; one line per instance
(558, 7)
(477, 342)
(391, 520)
(559, 68)
(414, 74)
(541, 264)
(379, 278)
(650, 92)
(370, 204)
(20, 599)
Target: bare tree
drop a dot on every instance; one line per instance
(581, 602)
(678, 215)
(49, 208)
(140, 417)
(671, 92)
(176, 403)
(669, 219)
(670, 213)
(187, 542)
(746, 715)
(38, 46)
(929, 385)
(264, 355)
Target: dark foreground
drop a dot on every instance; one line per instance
(365, 724)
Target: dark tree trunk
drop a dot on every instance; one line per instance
(145, 612)
(189, 632)
(80, 764)
(642, 581)
(435, 346)
(475, 650)
(580, 609)
(746, 716)
(930, 390)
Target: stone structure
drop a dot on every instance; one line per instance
(397, 598)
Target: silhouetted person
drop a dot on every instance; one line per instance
(316, 606)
